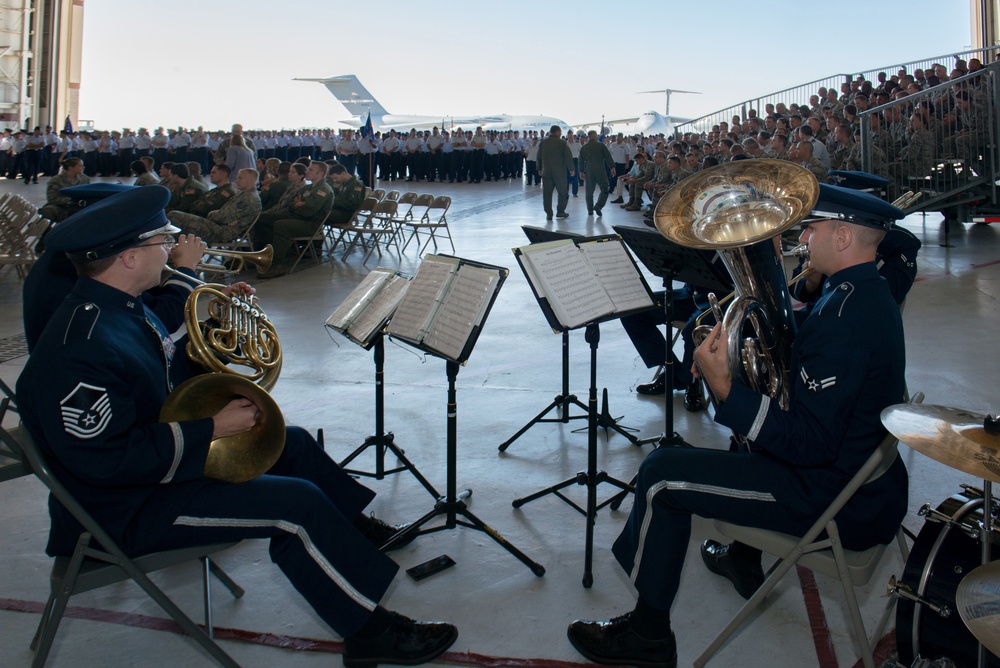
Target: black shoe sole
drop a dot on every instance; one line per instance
(620, 661)
(350, 662)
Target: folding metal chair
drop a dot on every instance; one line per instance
(308, 245)
(821, 553)
(434, 219)
(98, 561)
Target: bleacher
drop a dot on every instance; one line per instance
(959, 180)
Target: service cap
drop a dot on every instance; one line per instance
(113, 224)
(854, 206)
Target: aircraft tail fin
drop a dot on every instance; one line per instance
(355, 97)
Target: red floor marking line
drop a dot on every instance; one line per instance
(882, 650)
(817, 619)
(271, 639)
(985, 264)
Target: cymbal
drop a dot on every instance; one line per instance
(978, 602)
(952, 436)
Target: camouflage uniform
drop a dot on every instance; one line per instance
(918, 156)
(347, 199)
(819, 171)
(186, 195)
(59, 207)
(213, 200)
(147, 179)
(222, 225)
(307, 211)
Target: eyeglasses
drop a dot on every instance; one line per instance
(169, 242)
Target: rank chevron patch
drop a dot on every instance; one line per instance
(817, 385)
(86, 411)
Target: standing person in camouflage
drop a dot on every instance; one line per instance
(308, 210)
(59, 207)
(554, 161)
(595, 165)
(227, 223)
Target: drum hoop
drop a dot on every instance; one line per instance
(925, 574)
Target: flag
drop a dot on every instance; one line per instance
(368, 130)
(68, 126)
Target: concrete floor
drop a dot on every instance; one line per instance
(506, 615)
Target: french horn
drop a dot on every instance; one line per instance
(237, 343)
(737, 209)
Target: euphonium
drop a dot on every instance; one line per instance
(737, 209)
(239, 343)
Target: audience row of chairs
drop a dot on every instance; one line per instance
(384, 220)
(21, 227)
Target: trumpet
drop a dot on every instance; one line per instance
(261, 259)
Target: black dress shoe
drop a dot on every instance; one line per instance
(615, 643)
(405, 642)
(379, 532)
(657, 387)
(598, 212)
(617, 201)
(694, 398)
(746, 577)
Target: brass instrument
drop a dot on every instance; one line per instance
(239, 343)
(261, 259)
(737, 209)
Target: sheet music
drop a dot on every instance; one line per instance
(462, 309)
(359, 298)
(379, 310)
(422, 298)
(617, 273)
(572, 290)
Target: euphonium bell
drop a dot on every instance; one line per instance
(737, 209)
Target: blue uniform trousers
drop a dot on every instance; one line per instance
(675, 483)
(306, 505)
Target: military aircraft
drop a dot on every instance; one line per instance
(359, 103)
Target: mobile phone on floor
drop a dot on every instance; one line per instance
(429, 568)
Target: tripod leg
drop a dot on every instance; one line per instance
(477, 523)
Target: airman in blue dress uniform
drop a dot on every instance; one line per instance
(847, 364)
(91, 393)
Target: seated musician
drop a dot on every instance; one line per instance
(847, 365)
(235, 215)
(91, 393)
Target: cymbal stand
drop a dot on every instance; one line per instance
(381, 440)
(590, 478)
(453, 504)
(986, 535)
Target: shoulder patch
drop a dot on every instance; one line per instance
(86, 411)
(227, 194)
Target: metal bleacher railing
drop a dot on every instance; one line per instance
(800, 94)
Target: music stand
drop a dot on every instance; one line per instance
(564, 400)
(672, 262)
(377, 295)
(453, 504)
(382, 440)
(591, 477)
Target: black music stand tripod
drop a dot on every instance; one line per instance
(672, 262)
(381, 440)
(453, 504)
(592, 477)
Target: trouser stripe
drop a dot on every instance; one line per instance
(683, 486)
(302, 534)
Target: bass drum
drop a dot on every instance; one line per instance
(942, 555)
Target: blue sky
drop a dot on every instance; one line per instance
(212, 63)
